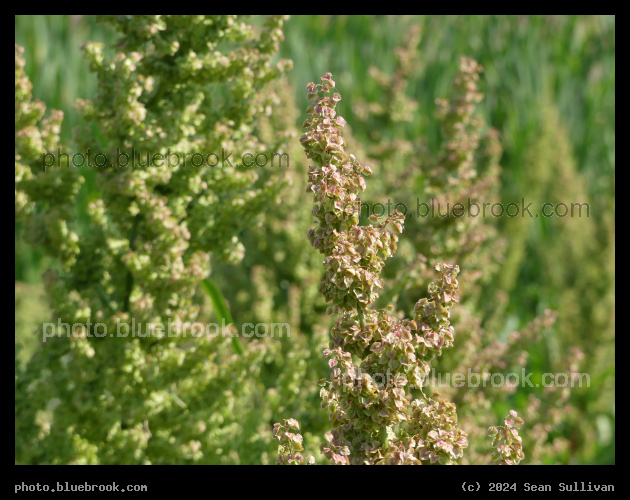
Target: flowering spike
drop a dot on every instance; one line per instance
(368, 399)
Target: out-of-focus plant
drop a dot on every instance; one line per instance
(191, 84)
(575, 249)
(466, 169)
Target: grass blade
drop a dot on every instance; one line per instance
(221, 309)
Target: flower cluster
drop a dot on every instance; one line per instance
(194, 84)
(35, 136)
(374, 415)
(355, 255)
(290, 443)
(507, 442)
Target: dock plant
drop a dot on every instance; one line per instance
(379, 412)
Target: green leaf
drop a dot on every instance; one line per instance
(221, 308)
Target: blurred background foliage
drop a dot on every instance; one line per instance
(549, 86)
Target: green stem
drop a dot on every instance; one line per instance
(384, 438)
(361, 316)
